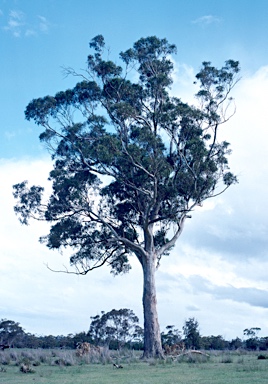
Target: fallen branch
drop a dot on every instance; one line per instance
(198, 352)
(192, 351)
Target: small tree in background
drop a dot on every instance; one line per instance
(252, 334)
(159, 158)
(192, 337)
(236, 343)
(10, 332)
(171, 336)
(115, 328)
(214, 342)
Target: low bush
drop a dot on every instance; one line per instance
(26, 368)
(227, 359)
(63, 362)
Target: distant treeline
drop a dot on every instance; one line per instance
(120, 329)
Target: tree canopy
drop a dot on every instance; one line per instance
(115, 328)
(191, 333)
(9, 331)
(131, 161)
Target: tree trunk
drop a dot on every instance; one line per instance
(152, 337)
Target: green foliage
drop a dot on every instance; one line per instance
(216, 343)
(253, 342)
(191, 333)
(160, 157)
(10, 331)
(172, 336)
(115, 329)
(251, 332)
(30, 200)
(236, 343)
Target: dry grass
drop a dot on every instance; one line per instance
(63, 366)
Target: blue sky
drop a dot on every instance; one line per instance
(39, 37)
(218, 270)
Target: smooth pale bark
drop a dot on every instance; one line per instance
(152, 337)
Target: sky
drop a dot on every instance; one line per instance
(218, 270)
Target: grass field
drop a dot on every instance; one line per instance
(63, 367)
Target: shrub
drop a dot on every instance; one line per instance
(5, 360)
(193, 357)
(27, 355)
(227, 360)
(63, 362)
(13, 356)
(25, 368)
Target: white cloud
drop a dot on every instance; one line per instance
(226, 246)
(19, 25)
(183, 82)
(16, 15)
(30, 32)
(9, 134)
(41, 301)
(206, 20)
(43, 24)
(16, 23)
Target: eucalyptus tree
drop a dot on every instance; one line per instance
(10, 332)
(130, 161)
(191, 332)
(116, 327)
